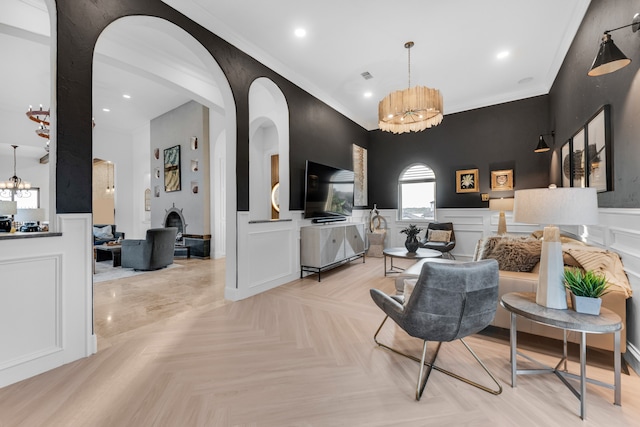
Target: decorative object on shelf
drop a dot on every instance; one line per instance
(543, 147)
(411, 110)
(412, 232)
(467, 181)
(501, 205)
(194, 165)
(587, 289)
(156, 153)
(502, 180)
(193, 142)
(275, 197)
(14, 184)
(609, 57)
(194, 187)
(560, 206)
(172, 169)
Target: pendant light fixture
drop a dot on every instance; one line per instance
(411, 110)
(14, 184)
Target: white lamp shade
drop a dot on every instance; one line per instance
(501, 204)
(557, 206)
(30, 215)
(8, 208)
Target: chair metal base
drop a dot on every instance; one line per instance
(431, 365)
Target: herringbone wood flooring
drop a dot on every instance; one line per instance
(173, 353)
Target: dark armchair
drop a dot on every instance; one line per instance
(152, 253)
(449, 302)
(438, 241)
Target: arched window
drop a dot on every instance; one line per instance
(417, 193)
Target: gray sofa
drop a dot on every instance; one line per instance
(152, 253)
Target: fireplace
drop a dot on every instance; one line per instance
(174, 218)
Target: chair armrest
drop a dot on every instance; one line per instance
(119, 234)
(132, 242)
(389, 305)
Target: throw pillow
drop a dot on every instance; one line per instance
(409, 284)
(439, 235)
(488, 244)
(102, 232)
(517, 255)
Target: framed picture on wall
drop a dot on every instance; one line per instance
(565, 164)
(172, 169)
(502, 180)
(578, 178)
(467, 181)
(599, 151)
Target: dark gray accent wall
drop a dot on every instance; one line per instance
(493, 138)
(575, 97)
(317, 132)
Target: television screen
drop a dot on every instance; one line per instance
(328, 192)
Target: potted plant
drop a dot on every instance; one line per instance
(412, 232)
(586, 288)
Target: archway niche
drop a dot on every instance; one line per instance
(268, 152)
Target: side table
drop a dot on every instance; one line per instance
(524, 304)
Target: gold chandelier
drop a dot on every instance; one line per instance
(411, 110)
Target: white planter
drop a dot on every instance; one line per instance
(586, 305)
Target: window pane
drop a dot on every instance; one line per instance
(418, 200)
(30, 202)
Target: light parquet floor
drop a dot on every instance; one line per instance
(174, 353)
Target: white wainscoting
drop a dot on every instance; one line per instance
(46, 300)
(268, 256)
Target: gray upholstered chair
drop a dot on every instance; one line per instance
(441, 246)
(152, 253)
(449, 302)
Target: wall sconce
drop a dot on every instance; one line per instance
(609, 57)
(542, 144)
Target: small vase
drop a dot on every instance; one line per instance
(586, 305)
(412, 244)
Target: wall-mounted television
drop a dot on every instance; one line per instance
(328, 194)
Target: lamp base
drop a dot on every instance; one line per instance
(551, 292)
(502, 224)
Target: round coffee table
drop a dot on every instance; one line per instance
(392, 253)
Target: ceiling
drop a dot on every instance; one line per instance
(456, 48)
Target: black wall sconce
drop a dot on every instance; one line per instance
(542, 144)
(609, 57)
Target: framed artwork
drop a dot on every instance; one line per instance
(578, 178)
(502, 180)
(598, 161)
(172, 169)
(565, 164)
(467, 181)
(360, 175)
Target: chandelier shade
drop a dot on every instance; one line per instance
(410, 110)
(14, 185)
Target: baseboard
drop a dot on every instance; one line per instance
(632, 357)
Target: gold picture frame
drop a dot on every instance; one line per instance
(502, 180)
(467, 181)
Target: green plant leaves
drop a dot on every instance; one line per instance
(585, 284)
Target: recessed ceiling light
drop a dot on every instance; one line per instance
(502, 54)
(106, 110)
(126, 96)
(368, 94)
(300, 32)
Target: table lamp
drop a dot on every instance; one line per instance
(551, 207)
(501, 205)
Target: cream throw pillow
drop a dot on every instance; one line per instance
(409, 284)
(439, 235)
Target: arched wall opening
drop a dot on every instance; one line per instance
(164, 57)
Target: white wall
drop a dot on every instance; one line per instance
(117, 148)
(141, 180)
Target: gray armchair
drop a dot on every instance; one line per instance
(449, 302)
(152, 253)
